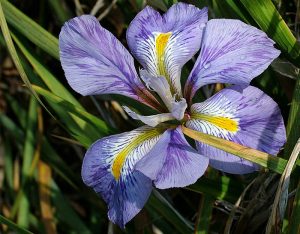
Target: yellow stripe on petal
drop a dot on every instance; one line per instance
(134, 143)
(221, 122)
(161, 43)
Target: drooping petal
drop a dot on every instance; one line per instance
(231, 52)
(172, 162)
(95, 62)
(108, 169)
(246, 116)
(164, 43)
(151, 120)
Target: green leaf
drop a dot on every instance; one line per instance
(164, 208)
(13, 52)
(268, 18)
(52, 83)
(221, 188)
(61, 11)
(30, 29)
(8, 162)
(294, 224)
(293, 126)
(205, 209)
(13, 226)
(49, 155)
(65, 212)
(231, 9)
(85, 127)
(281, 197)
(29, 148)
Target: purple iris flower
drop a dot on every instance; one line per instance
(123, 168)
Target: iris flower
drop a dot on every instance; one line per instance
(124, 168)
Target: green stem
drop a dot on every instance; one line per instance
(266, 160)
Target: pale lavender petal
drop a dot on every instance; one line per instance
(160, 85)
(232, 52)
(108, 167)
(178, 108)
(150, 120)
(95, 62)
(164, 43)
(244, 115)
(172, 162)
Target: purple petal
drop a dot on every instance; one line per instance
(108, 167)
(246, 116)
(172, 162)
(164, 43)
(232, 52)
(95, 62)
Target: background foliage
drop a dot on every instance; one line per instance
(45, 128)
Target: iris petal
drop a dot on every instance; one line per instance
(164, 43)
(232, 52)
(151, 120)
(108, 167)
(244, 115)
(172, 162)
(95, 62)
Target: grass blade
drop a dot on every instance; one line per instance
(270, 21)
(281, 197)
(30, 29)
(13, 53)
(29, 148)
(13, 226)
(293, 126)
(294, 224)
(162, 206)
(51, 82)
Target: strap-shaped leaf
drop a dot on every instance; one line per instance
(268, 18)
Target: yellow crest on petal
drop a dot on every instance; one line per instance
(120, 158)
(221, 122)
(161, 42)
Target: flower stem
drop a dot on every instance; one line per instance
(266, 160)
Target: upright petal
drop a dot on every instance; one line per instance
(172, 162)
(232, 52)
(160, 85)
(108, 167)
(95, 62)
(164, 43)
(246, 116)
